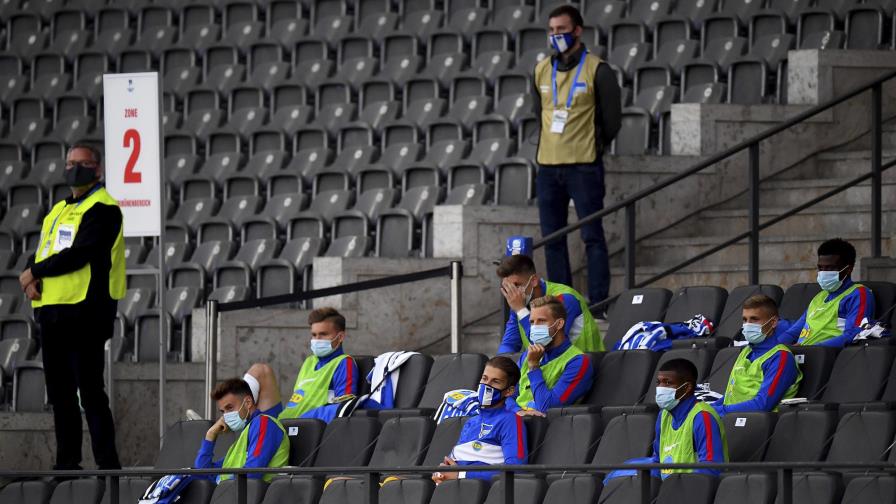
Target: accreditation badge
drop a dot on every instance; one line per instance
(558, 121)
(65, 236)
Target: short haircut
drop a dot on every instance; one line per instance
(568, 10)
(558, 311)
(685, 369)
(327, 314)
(235, 386)
(841, 248)
(94, 150)
(516, 265)
(762, 301)
(509, 367)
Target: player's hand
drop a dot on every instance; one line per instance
(533, 356)
(530, 412)
(26, 279)
(216, 430)
(32, 291)
(515, 296)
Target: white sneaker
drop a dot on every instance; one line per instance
(192, 415)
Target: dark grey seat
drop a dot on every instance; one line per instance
(824, 39)
(467, 490)
(407, 491)
(536, 428)
(747, 433)
(525, 491)
(79, 491)
(755, 488)
(879, 489)
(863, 436)
(625, 437)
(796, 300)
(816, 363)
(514, 182)
(181, 444)
(444, 439)
(859, 374)
(570, 440)
(30, 492)
(689, 301)
(621, 379)
(815, 488)
(625, 490)
(349, 246)
(801, 436)
(304, 436)
(239, 271)
(573, 490)
(292, 490)
(884, 296)
(225, 492)
(693, 488)
(721, 368)
(633, 306)
(29, 389)
(747, 81)
(347, 442)
(403, 442)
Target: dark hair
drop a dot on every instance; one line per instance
(558, 311)
(515, 265)
(762, 301)
(509, 367)
(841, 248)
(94, 150)
(235, 386)
(568, 10)
(685, 369)
(327, 314)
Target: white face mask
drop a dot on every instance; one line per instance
(531, 292)
(665, 397)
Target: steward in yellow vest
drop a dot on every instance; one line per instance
(74, 281)
(554, 372)
(520, 284)
(765, 371)
(261, 440)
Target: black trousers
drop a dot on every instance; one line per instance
(74, 357)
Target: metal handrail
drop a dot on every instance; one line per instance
(752, 145)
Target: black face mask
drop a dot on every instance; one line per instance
(79, 175)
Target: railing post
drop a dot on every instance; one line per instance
(645, 493)
(112, 489)
(876, 180)
(373, 488)
(457, 273)
(630, 246)
(211, 354)
(754, 213)
(241, 489)
(785, 486)
(507, 476)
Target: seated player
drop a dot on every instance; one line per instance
(688, 431)
(326, 375)
(765, 372)
(554, 371)
(496, 435)
(261, 441)
(520, 284)
(836, 314)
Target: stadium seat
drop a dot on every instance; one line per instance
(573, 490)
(569, 440)
(796, 300)
(801, 436)
(514, 182)
(225, 492)
(884, 296)
(875, 488)
(29, 389)
(627, 489)
(347, 442)
(747, 433)
(863, 436)
(859, 374)
(690, 301)
(633, 306)
(750, 488)
(525, 491)
(444, 439)
(815, 363)
(403, 442)
(78, 491)
(31, 492)
(816, 488)
(467, 490)
(451, 372)
(292, 490)
(694, 488)
(625, 437)
(181, 444)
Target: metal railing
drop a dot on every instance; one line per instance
(751, 145)
(372, 475)
(454, 271)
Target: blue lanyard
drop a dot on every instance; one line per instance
(96, 188)
(572, 89)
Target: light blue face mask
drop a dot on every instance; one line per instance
(830, 280)
(665, 397)
(540, 334)
(753, 332)
(321, 347)
(234, 421)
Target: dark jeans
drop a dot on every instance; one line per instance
(584, 183)
(74, 358)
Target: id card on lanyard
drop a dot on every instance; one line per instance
(66, 235)
(560, 116)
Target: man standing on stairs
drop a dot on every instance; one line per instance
(520, 284)
(578, 100)
(836, 314)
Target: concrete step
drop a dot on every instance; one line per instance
(484, 336)
(830, 220)
(841, 164)
(798, 249)
(790, 193)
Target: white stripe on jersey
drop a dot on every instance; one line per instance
(477, 451)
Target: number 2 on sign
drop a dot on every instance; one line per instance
(132, 139)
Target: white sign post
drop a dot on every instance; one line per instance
(133, 133)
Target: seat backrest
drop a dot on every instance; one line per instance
(884, 297)
(444, 439)
(816, 488)
(730, 322)
(863, 436)
(32, 492)
(626, 436)
(225, 492)
(801, 436)
(304, 435)
(859, 374)
(536, 427)
(746, 434)
(815, 362)
(570, 440)
(575, 490)
(622, 378)
(451, 372)
(402, 442)
(689, 301)
(796, 300)
(878, 489)
(181, 444)
(625, 490)
(347, 442)
(407, 491)
(690, 488)
(467, 490)
(79, 491)
(756, 488)
(633, 306)
(412, 380)
(292, 490)
(525, 491)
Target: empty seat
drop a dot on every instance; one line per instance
(815, 488)
(574, 490)
(816, 363)
(863, 436)
(451, 372)
(625, 437)
(884, 296)
(304, 436)
(348, 442)
(627, 489)
(292, 490)
(752, 488)
(36, 492)
(693, 488)
(514, 182)
(859, 374)
(689, 301)
(570, 440)
(611, 389)
(747, 433)
(880, 489)
(402, 442)
(86, 491)
(525, 491)
(633, 306)
(444, 439)
(801, 436)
